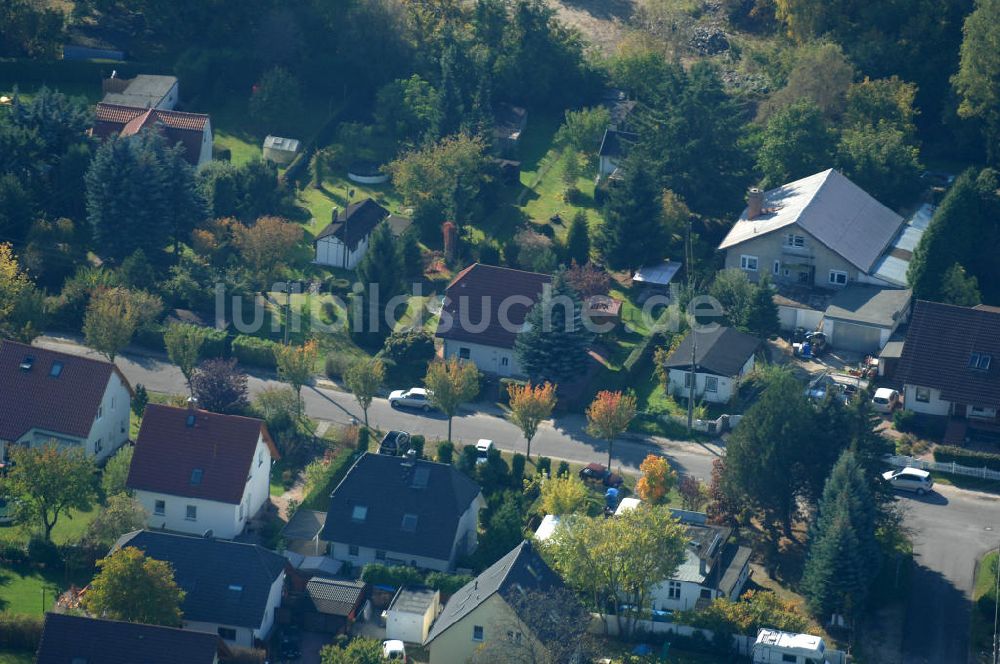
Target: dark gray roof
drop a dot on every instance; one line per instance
(335, 597)
(437, 494)
(521, 568)
(68, 639)
(226, 582)
(869, 305)
(616, 143)
(734, 559)
(414, 599)
(398, 224)
(722, 352)
(355, 222)
(304, 525)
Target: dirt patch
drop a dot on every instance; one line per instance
(601, 22)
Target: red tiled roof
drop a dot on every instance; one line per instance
(65, 404)
(167, 450)
(476, 295)
(177, 126)
(938, 347)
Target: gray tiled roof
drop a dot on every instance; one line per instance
(722, 352)
(869, 305)
(335, 597)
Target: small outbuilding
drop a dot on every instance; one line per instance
(280, 150)
(656, 278)
(301, 533)
(334, 604)
(411, 613)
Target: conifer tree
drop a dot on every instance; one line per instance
(578, 239)
(380, 273)
(554, 343)
(633, 233)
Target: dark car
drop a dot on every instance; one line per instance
(595, 472)
(394, 443)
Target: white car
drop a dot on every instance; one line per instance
(394, 650)
(483, 448)
(885, 400)
(909, 479)
(415, 397)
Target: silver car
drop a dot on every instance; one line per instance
(415, 397)
(909, 479)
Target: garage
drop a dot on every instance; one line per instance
(857, 338)
(861, 319)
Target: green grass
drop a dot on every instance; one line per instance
(240, 147)
(277, 485)
(335, 193)
(17, 657)
(69, 528)
(983, 586)
(21, 590)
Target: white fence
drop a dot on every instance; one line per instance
(742, 644)
(952, 468)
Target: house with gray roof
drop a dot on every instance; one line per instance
(143, 91)
(403, 511)
(344, 241)
(231, 589)
(722, 357)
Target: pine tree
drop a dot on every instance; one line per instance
(578, 239)
(380, 273)
(633, 233)
(409, 250)
(554, 345)
(762, 315)
(959, 288)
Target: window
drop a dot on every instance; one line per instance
(711, 384)
(687, 379)
(352, 550)
(748, 263)
(504, 361)
(359, 513)
(776, 268)
(241, 511)
(196, 475)
(112, 403)
(789, 658)
(160, 507)
(56, 369)
(838, 277)
(379, 555)
(260, 458)
(792, 240)
(674, 590)
(513, 636)
(409, 523)
(99, 445)
(227, 633)
(192, 513)
(706, 593)
(923, 394)
(100, 412)
(464, 353)
(979, 361)
(477, 633)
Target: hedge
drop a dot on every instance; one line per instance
(318, 497)
(254, 351)
(20, 632)
(391, 575)
(54, 73)
(964, 457)
(216, 344)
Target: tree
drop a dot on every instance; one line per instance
(795, 143)
(880, 160)
(582, 130)
(821, 75)
(360, 650)
(978, 78)
(113, 316)
(571, 169)
(451, 383)
(554, 344)
(886, 99)
(658, 478)
(364, 379)
(535, 251)
(412, 348)
(694, 493)
(276, 101)
(134, 588)
(31, 30)
(380, 272)
(14, 282)
(115, 472)
(410, 254)
(50, 482)
(184, 344)
(563, 495)
(504, 527)
(120, 515)
(267, 248)
(609, 415)
(295, 367)
(219, 386)
(959, 288)
(762, 318)
(632, 234)
(578, 239)
(618, 561)
(529, 406)
(755, 609)
(587, 280)
(746, 306)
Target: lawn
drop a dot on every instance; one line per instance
(336, 192)
(69, 528)
(982, 619)
(21, 589)
(17, 657)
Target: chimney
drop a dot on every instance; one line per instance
(755, 203)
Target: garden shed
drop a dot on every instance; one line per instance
(280, 150)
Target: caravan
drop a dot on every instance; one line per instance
(776, 647)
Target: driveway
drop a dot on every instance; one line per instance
(951, 528)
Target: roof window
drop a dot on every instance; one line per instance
(980, 361)
(190, 420)
(27, 362)
(409, 523)
(196, 475)
(56, 369)
(359, 513)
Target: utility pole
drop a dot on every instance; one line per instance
(689, 258)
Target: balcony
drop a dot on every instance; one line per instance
(791, 250)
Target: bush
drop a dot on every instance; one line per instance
(140, 400)
(13, 554)
(254, 351)
(445, 452)
(337, 364)
(386, 575)
(467, 460)
(20, 632)
(417, 443)
(448, 584)
(216, 344)
(543, 465)
(320, 478)
(517, 470)
(964, 457)
(563, 469)
(150, 337)
(904, 420)
(364, 435)
(44, 552)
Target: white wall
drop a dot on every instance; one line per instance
(491, 359)
(467, 533)
(112, 427)
(790, 318)
(408, 627)
(723, 395)
(366, 555)
(244, 635)
(169, 101)
(273, 602)
(258, 488)
(608, 165)
(690, 592)
(331, 251)
(205, 156)
(936, 405)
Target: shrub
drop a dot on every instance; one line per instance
(216, 344)
(20, 632)
(386, 575)
(364, 435)
(321, 476)
(448, 584)
(140, 400)
(563, 469)
(467, 460)
(964, 457)
(445, 452)
(417, 443)
(254, 351)
(517, 470)
(150, 337)
(904, 420)
(337, 364)
(543, 465)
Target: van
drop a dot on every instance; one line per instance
(483, 448)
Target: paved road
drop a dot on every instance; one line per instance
(563, 438)
(951, 529)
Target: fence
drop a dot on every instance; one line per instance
(951, 468)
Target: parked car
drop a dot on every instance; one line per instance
(415, 397)
(909, 479)
(595, 472)
(885, 400)
(394, 443)
(483, 447)
(394, 650)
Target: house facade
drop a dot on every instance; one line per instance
(483, 312)
(232, 589)
(723, 357)
(403, 511)
(77, 402)
(198, 472)
(344, 241)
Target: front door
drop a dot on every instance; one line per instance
(958, 409)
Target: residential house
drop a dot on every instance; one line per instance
(815, 237)
(614, 149)
(950, 365)
(344, 241)
(332, 605)
(722, 357)
(411, 613)
(484, 310)
(403, 511)
(143, 91)
(77, 402)
(484, 612)
(199, 472)
(193, 131)
(231, 589)
(509, 123)
(69, 639)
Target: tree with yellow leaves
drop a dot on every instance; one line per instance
(657, 479)
(295, 367)
(529, 405)
(609, 416)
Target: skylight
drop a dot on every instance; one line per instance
(359, 513)
(980, 361)
(56, 369)
(421, 476)
(409, 523)
(236, 588)
(190, 420)
(196, 476)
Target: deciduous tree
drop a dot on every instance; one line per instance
(796, 142)
(658, 478)
(115, 472)
(50, 482)
(296, 365)
(184, 344)
(134, 588)
(609, 415)
(364, 379)
(266, 248)
(359, 650)
(113, 316)
(529, 406)
(121, 514)
(978, 76)
(959, 288)
(451, 383)
(563, 495)
(219, 386)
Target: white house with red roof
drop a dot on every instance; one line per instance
(191, 130)
(48, 396)
(194, 471)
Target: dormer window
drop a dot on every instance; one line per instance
(980, 361)
(359, 513)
